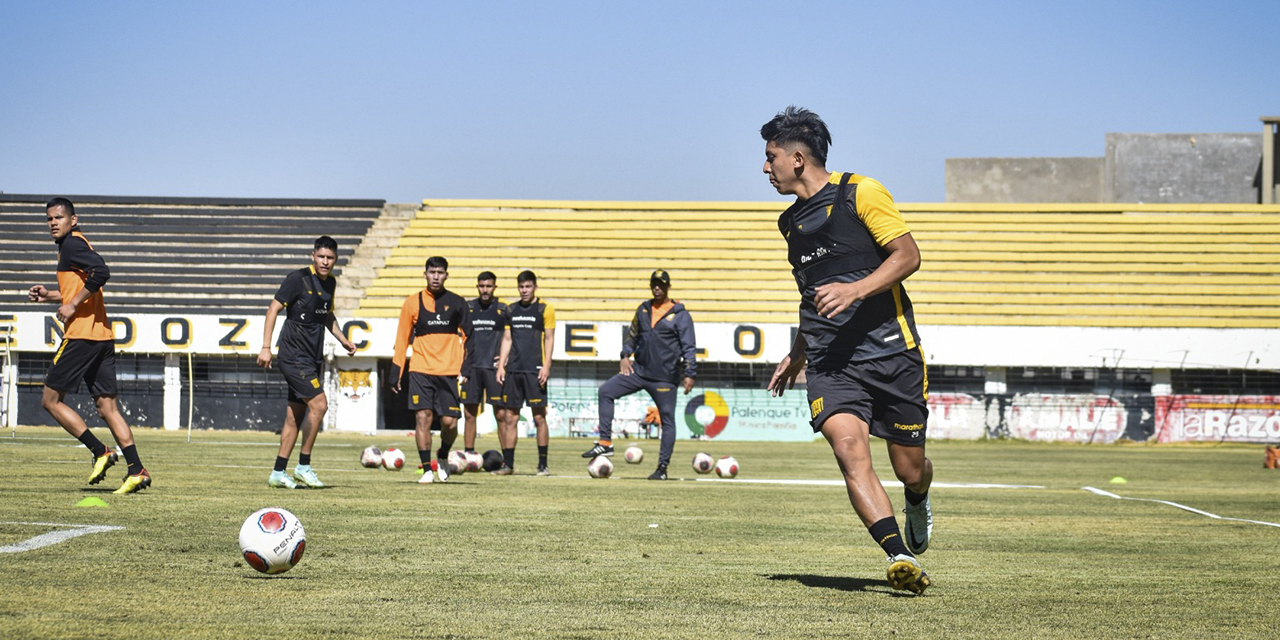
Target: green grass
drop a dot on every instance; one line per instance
(571, 557)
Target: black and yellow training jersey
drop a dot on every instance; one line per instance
(308, 303)
(484, 338)
(828, 243)
(529, 325)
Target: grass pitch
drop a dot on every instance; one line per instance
(572, 557)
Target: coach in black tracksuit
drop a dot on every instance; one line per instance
(662, 342)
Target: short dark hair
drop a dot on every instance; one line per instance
(325, 242)
(526, 276)
(438, 262)
(797, 125)
(486, 275)
(62, 202)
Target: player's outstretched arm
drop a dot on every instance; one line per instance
(39, 293)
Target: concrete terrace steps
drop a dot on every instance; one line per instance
(986, 264)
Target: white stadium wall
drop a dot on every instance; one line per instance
(747, 412)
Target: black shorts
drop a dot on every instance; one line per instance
(304, 380)
(93, 361)
(889, 394)
(437, 393)
(521, 388)
(481, 386)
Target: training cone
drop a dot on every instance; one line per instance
(92, 501)
(1119, 480)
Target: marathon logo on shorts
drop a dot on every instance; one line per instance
(907, 427)
(815, 408)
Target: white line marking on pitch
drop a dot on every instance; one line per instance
(887, 483)
(1184, 507)
(54, 537)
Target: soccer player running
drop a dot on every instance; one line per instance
(662, 341)
(88, 349)
(435, 321)
(524, 366)
(851, 250)
(306, 295)
(479, 365)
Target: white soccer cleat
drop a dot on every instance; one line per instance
(306, 477)
(919, 526)
(442, 470)
(427, 476)
(279, 480)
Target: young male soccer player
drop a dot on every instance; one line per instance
(524, 365)
(851, 250)
(479, 365)
(88, 349)
(662, 340)
(435, 320)
(307, 296)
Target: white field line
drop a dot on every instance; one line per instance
(53, 537)
(887, 483)
(1184, 507)
(73, 443)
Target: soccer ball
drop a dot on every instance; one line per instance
(371, 457)
(703, 463)
(727, 467)
(633, 454)
(600, 467)
(272, 540)
(459, 462)
(475, 461)
(492, 460)
(393, 459)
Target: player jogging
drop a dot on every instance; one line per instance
(850, 251)
(662, 341)
(479, 365)
(524, 365)
(307, 297)
(434, 320)
(88, 349)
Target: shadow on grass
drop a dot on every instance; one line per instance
(839, 583)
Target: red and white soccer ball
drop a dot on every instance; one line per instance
(459, 461)
(272, 540)
(371, 457)
(393, 459)
(474, 460)
(600, 467)
(703, 463)
(727, 467)
(633, 454)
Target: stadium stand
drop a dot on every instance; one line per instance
(181, 255)
(1083, 265)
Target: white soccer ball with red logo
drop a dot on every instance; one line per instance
(474, 460)
(633, 454)
(393, 459)
(371, 457)
(459, 461)
(600, 467)
(703, 463)
(272, 540)
(727, 467)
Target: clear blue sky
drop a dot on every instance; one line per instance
(650, 100)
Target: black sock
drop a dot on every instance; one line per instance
(424, 456)
(281, 463)
(92, 442)
(542, 455)
(509, 457)
(914, 498)
(886, 534)
(304, 459)
(443, 452)
(131, 456)
(470, 450)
